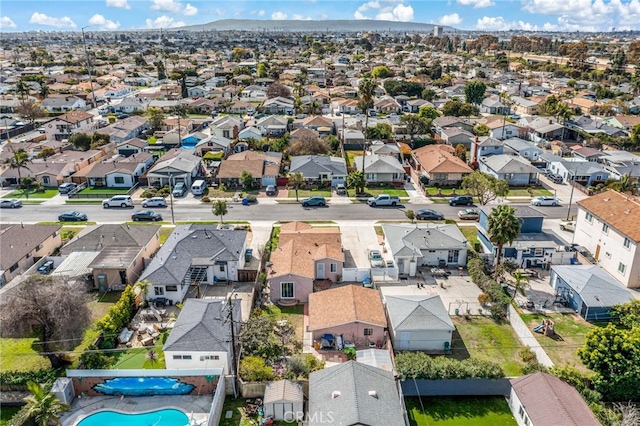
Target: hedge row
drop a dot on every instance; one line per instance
(117, 318)
(418, 365)
(497, 297)
(10, 380)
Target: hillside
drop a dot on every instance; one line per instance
(310, 26)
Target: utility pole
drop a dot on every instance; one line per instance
(573, 185)
(86, 54)
(173, 220)
(234, 364)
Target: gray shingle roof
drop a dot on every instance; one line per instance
(355, 394)
(518, 144)
(188, 242)
(409, 240)
(596, 287)
(312, 165)
(202, 326)
(375, 163)
(418, 313)
(508, 164)
(99, 237)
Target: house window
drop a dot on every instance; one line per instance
(333, 267)
(286, 290)
(605, 228)
(46, 180)
(440, 176)
(39, 247)
(608, 255)
(13, 267)
(158, 291)
(177, 357)
(209, 358)
(225, 134)
(119, 179)
(538, 252)
(622, 267)
(521, 411)
(172, 288)
(368, 331)
(221, 268)
(186, 356)
(453, 256)
(627, 243)
(589, 217)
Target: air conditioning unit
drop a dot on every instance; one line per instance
(63, 390)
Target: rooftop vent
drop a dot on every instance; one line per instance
(373, 394)
(335, 394)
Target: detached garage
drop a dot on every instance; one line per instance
(419, 323)
(283, 400)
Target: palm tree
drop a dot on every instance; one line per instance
(152, 357)
(42, 406)
(220, 209)
(506, 101)
(624, 185)
(22, 89)
(296, 180)
(44, 90)
(367, 89)
(520, 283)
(503, 227)
(18, 160)
(143, 286)
(356, 180)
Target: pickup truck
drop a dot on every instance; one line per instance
(383, 200)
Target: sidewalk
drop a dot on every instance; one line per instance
(527, 338)
(415, 195)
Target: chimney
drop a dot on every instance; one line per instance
(474, 156)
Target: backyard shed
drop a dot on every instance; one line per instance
(283, 400)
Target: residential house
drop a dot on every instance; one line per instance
(619, 163)
(414, 245)
(50, 174)
(584, 105)
(526, 106)
(439, 166)
(441, 123)
(586, 153)
(63, 126)
(195, 254)
(501, 129)
(129, 105)
(414, 105)
(212, 143)
(305, 257)
(202, 335)
(273, 125)
(204, 106)
(226, 126)
(419, 323)
(541, 399)
(23, 245)
(625, 122)
(198, 92)
(608, 226)
(515, 170)
(122, 252)
(352, 139)
(175, 166)
(493, 105)
(589, 290)
(62, 104)
(533, 247)
(380, 169)
(251, 133)
(545, 129)
(279, 105)
(381, 148)
(318, 168)
(119, 172)
(264, 167)
(131, 146)
(339, 392)
(594, 126)
(283, 400)
(129, 128)
(323, 126)
(484, 146)
(523, 148)
(351, 313)
(386, 106)
(455, 136)
(240, 107)
(586, 173)
(253, 93)
(303, 134)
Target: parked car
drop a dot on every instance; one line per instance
(148, 215)
(10, 204)
(314, 201)
(66, 188)
(461, 200)
(544, 201)
(118, 201)
(272, 190)
(375, 258)
(179, 190)
(46, 267)
(568, 225)
(72, 216)
(469, 214)
(154, 202)
(341, 189)
(383, 200)
(555, 178)
(428, 214)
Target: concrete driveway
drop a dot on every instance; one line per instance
(357, 238)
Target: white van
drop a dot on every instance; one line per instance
(198, 187)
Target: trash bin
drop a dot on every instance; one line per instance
(248, 253)
(245, 201)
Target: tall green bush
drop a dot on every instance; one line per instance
(117, 318)
(418, 365)
(497, 297)
(254, 369)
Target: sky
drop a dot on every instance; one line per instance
(490, 15)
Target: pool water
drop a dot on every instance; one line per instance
(155, 418)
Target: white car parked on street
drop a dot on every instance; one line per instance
(118, 201)
(545, 201)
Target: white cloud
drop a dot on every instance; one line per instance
(451, 19)
(42, 19)
(477, 4)
(164, 22)
(104, 23)
(587, 15)
(498, 23)
(298, 17)
(261, 13)
(173, 6)
(6, 23)
(387, 10)
(279, 16)
(120, 4)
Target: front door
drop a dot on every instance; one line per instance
(320, 271)
(597, 255)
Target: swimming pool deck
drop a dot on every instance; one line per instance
(82, 407)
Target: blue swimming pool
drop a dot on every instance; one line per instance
(155, 418)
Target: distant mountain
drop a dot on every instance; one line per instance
(310, 26)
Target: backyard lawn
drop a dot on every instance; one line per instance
(136, 359)
(22, 194)
(570, 333)
(351, 155)
(482, 338)
(294, 314)
(523, 192)
(460, 411)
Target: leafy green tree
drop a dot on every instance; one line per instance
(634, 134)
(381, 71)
(246, 179)
(429, 95)
(94, 359)
(43, 407)
(296, 180)
(46, 152)
(262, 70)
(23, 89)
(30, 111)
(461, 152)
(520, 283)
(628, 314)
(258, 337)
(275, 90)
(366, 90)
(456, 108)
(403, 87)
(81, 141)
(474, 92)
(18, 160)
(416, 125)
(485, 187)
(98, 140)
(255, 369)
(428, 112)
(162, 72)
(356, 180)
(503, 227)
(381, 131)
(411, 215)
(155, 117)
(220, 209)
(481, 130)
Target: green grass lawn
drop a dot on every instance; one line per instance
(105, 191)
(522, 192)
(470, 232)
(294, 314)
(306, 193)
(570, 334)
(136, 359)
(482, 338)
(432, 190)
(459, 411)
(351, 155)
(84, 201)
(22, 194)
(389, 190)
(7, 412)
